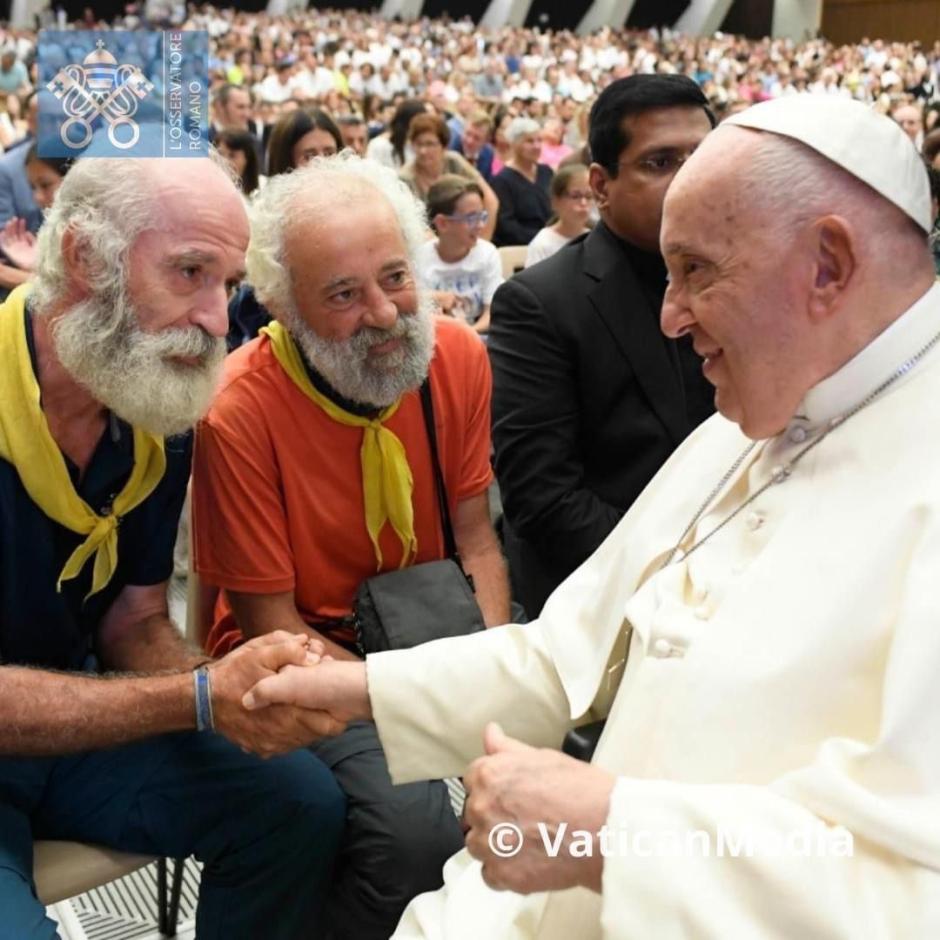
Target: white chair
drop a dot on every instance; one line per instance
(64, 870)
(512, 258)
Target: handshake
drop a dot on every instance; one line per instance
(280, 691)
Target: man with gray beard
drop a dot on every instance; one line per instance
(108, 359)
(313, 472)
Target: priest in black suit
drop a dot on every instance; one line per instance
(589, 397)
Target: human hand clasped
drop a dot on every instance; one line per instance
(523, 806)
(324, 686)
(282, 727)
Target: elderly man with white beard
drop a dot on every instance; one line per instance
(108, 359)
(285, 487)
(760, 631)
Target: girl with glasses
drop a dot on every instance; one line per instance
(573, 207)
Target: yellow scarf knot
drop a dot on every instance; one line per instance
(387, 483)
(27, 443)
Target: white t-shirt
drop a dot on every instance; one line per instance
(474, 278)
(544, 245)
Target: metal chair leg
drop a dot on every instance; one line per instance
(168, 908)
(177, 888)
(161, 897)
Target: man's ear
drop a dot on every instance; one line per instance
(598, 180)
(73, 258)
(834, 261)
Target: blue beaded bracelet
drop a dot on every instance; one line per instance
(203, 688)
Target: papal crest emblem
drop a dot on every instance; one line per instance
(99, 87)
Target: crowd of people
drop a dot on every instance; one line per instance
(309, 340)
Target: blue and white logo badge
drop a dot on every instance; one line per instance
(123, 93)
(99, 86)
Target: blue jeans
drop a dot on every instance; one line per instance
(266, 831)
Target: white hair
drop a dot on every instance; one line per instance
(326, 184)
(519, 127)
(105, 211)
(105, 203)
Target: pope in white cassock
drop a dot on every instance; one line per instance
(762, 630)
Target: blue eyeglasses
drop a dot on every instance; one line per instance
(470, 218)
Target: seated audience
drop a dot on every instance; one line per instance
(472, 143)
(115, 731)
(353, 130)
(288, 519)
(573, 204)
(554, 148)
(760, 630)
(16, 197)
(429, 137)
(299, 136)
(239, 148)
(461, 269)
(522, 187)
(392, 147)
(18, 243)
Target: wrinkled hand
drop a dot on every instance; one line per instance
(278, 729)
(333, 686)
(19, 244)
(522, 785)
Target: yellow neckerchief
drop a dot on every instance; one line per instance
(25, 442)
(386, 477)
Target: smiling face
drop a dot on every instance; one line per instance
(461, 229)
(740, 289)
(357, 311)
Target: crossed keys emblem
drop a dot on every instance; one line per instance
(100, 88)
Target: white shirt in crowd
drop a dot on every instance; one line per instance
(544, 245)
(474, 278)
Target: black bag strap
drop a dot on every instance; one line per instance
(427, 407)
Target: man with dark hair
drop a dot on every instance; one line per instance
(589, 397)
(353, 130)
(232, 106)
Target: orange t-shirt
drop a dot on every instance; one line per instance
(277, 483)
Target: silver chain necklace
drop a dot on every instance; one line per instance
(782, 474)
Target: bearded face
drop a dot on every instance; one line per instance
(352, 367)
(160, 382)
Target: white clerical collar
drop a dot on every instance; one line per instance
(876, 363)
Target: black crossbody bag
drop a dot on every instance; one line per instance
(406, 608)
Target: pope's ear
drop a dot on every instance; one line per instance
(834, 262)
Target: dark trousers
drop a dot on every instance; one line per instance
(396, 842)
(266, 831)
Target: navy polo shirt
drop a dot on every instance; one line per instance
(42, 627)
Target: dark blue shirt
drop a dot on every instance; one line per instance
(40, 626)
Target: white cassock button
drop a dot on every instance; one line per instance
(739, 568)
(662, 647)
(754, 520)
(701, 612)
(797, 435)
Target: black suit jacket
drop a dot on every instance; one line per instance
(588, 402)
